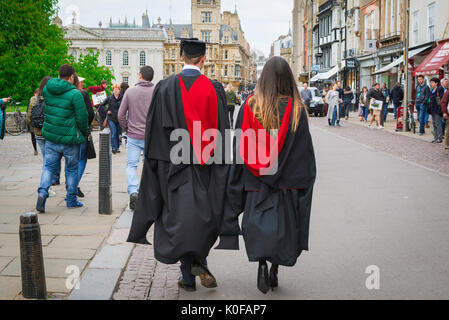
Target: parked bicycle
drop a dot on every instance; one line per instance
(15, 123)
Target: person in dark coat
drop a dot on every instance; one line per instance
(436, 95)
(348, 96)
(113, 102)
(79, 84)
(340, 96)
(275, 195)
(184, 198)
(397, 96)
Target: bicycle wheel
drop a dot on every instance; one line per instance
(15, 125)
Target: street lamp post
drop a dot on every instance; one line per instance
(340, 5)
(406, 11)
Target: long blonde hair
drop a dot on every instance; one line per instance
(276, 82)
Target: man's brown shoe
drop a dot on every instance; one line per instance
(206, 277)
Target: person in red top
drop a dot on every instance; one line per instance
(445, 111)
(102, 87)
(101, 110)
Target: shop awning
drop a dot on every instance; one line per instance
(329, 74)
(434, 61)
(397, 62)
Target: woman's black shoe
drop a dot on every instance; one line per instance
(80, 193)
(262, 278)
(274, 276)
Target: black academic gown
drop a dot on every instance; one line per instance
(185, 202)
(275, 223)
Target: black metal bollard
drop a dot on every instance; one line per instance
(31, 257)
(105, 173)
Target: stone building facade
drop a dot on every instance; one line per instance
(123, 47)
(228, 53)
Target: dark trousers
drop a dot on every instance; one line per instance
(231, 109)
(186, 268)
(33, 141)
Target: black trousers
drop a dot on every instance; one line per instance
(186, 268)
(231, 109)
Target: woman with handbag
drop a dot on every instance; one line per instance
(113, 102)
(437, 93)
(86, 147)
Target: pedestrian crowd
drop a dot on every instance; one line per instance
(431, 102)
(60, 115)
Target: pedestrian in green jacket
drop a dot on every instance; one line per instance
(65, 128)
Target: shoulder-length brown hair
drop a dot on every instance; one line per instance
(275, 82)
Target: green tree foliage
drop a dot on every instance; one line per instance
(87, 66)
(30, 46)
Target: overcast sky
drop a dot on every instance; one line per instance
(263, 21)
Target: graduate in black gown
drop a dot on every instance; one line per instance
(184, 199)
(272, 180)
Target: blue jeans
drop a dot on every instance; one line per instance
(365, 111)
(82, 160)
(116, 131)
(134, 149)
(347, 107)
(53, 154)
(396, 106)
(335, 115)
(423, 116)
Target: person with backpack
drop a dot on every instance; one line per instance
(35, 114)
(3, 103)
(30, 128)
(35, 119)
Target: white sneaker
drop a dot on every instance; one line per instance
(51, 193)
(380, 127)
(370, 126)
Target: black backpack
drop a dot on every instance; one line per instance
(38, 114)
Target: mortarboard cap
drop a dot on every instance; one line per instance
(193, 47)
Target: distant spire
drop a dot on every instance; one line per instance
(146, 20)
(289, 28)
(235, 6)
(170, 10)
(110, 21)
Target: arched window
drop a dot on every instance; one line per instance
(108, 58)
(143, 58)
(125, 58)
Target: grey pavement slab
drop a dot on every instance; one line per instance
(112, 257)
(83, 242)
(4, 261)
(96, 284)
(54, 268)
(125, 220)
(10, 287)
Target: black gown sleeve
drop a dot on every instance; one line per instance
(235, 201)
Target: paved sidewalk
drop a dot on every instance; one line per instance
(390, 126)
(70, 237)
(406, 146)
